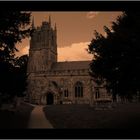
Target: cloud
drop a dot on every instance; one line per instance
(74, 52)
(23, 51)
(91, 15)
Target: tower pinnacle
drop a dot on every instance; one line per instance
(33, 25)
(50, 20)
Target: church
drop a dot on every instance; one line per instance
(53, 82)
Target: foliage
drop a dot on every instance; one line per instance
(20, 76)
(117, 55)
(14, 26)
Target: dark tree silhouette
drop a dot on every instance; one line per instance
(117, 56)
(14, 26)
(20, 76)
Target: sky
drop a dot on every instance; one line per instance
(75, 30)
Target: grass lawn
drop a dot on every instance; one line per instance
(83, 116)
(18, 119)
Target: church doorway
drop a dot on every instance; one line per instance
(50, 98)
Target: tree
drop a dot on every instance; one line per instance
(117, 56)
(14, 26)
(20, 75)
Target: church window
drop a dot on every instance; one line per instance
(78, 89)
(97, 93)
(38, 37)
(66, 93)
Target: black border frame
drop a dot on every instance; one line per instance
(70, 6)
(70, 134)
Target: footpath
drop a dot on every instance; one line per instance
(38, 119)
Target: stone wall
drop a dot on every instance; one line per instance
(38, 85)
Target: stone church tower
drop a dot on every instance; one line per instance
(43, 50)
(43, 47)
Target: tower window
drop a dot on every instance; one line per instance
(38, 37)
(66, 93)
(97, 93)
(78, 89)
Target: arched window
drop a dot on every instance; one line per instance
(78, 89)
(38, 37)
(97, 93)
(66, 93)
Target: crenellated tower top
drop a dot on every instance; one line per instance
(43, 47)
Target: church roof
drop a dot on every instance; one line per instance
(71, 65)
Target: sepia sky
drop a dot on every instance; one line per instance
(74, 31)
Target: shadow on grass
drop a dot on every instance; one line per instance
(83, 116)
(16, 119)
